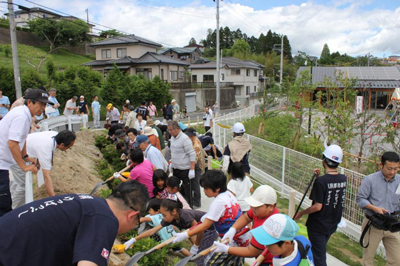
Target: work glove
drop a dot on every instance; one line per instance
(179, 237)
(116, 175)
(129, 243)
(194, 249)
(221, 248)
(229, 235)
(170, 169)
(225, 163)
(191, 174)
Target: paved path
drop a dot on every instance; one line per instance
(205, 202)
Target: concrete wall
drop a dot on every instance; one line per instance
(23, 37)
(204, 95)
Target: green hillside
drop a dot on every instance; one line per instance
(30, 56)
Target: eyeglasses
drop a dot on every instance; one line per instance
(171, 129)
(391, 169)
(137, 216)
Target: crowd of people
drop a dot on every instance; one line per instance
(163, 188)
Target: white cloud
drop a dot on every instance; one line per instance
(344, 25)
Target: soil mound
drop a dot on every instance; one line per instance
(74, 170)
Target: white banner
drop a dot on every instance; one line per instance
(359, 104)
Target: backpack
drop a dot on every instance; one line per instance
(303, 254)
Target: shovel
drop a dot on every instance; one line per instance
(261, 257)
(135, 258)
(105, 182)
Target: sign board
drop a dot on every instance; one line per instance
(359, 104)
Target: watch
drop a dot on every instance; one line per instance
(25, 156)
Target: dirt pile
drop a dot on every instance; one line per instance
(74, 170)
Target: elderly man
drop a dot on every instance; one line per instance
(4, 104)
(112, 114)
(380, 193)
(40, 145)
(70, 229)
(52, 110)
(151, 153)
(183, 158)
(70, 106)
(14, 131)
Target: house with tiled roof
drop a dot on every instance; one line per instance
(246, 76)
(376, 84)
(185, 54)
(136, 55)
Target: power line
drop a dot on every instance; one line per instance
(240, 18)
(244, 15)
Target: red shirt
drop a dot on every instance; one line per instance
(256, 223)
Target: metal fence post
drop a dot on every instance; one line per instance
(69, 123)
(283, 169)
(84, 121)
(219, 136)
(224, 138)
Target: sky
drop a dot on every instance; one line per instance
(355, 27)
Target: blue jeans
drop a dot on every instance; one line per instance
(318, 246)
(5, 195)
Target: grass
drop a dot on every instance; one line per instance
(339, 246)
(30, 56)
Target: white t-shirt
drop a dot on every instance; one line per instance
(14, 126)
(140, 126)
(219, 205)
(42, 145)
(207, 122)
(71, 105)
(242, 190)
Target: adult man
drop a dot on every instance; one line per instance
(112, 114)
(14, 131)
(152, 110)
(151, 153)
(70, 106)
(164, 111)
(380, 193)
(327, 197)
(237, 150)
(96, 112)
(208, 119)
(207, 142)
(40, 145)
(142, 109)
(170, 110)
(71, 229)
(183, 159)
(4, 104)
(52, 110)
(131, 117)
(262, 206)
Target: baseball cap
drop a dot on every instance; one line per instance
(82, 96)
(109, 105)
(38, 95)
(190, 132)
(140, 139)
(119, 133)
(173, 100)
(262, 195)
(278, 227)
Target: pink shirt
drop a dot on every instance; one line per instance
(143, 173)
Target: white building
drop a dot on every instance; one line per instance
(246, 76)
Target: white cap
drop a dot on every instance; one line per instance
(157, 122)
(173, 100)
(262, 195)
(238, 128)
(82, 96)
(127, 101)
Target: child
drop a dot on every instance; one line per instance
(240, 185)
(160, 184)
(278, 234)
(222, 213)
(173, 186)
(173, 214)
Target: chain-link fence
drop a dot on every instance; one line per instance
(286, 169)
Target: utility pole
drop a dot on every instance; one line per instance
(13, 36)
(281, 73)
(217, 63)
(87, 15)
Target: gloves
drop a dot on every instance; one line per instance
(225, 163)
(179, 237)
(194, 249)
(116, 175)
(229, 235)
(221, 248)
(191, 174)
(129, 243)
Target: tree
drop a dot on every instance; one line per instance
(325, 58)
(110, 34)
(192, 41)
(241, 49)
(59, 32)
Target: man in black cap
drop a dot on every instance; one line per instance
(14, 131)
